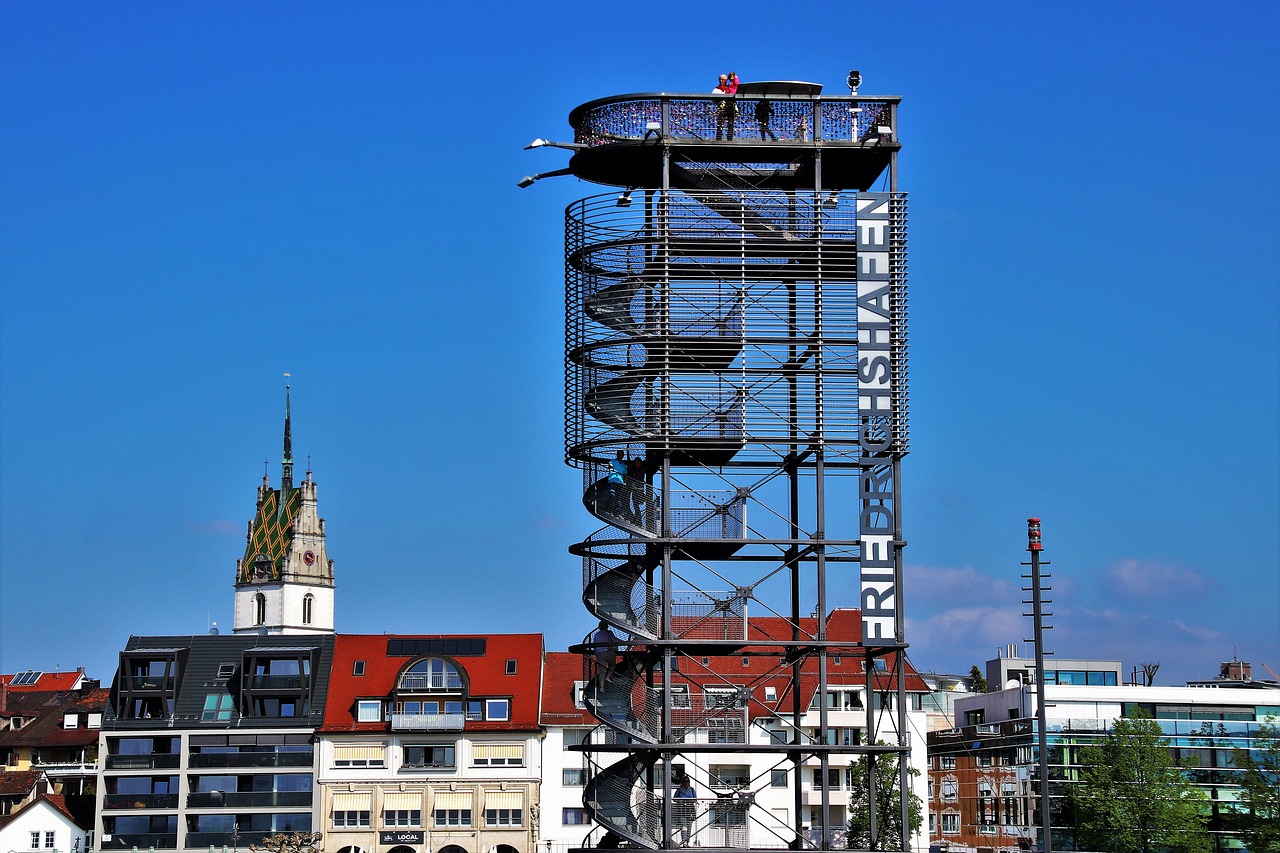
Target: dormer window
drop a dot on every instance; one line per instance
(431, 695)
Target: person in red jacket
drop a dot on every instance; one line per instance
(726, 109)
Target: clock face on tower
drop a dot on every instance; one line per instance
(309, 558)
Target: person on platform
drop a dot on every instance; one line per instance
(684, 807)
(726, 109)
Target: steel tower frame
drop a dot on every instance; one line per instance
(736, 352)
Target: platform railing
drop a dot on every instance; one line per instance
(781, 119)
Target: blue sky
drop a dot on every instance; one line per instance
(196, 198)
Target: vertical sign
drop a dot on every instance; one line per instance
(877, 387)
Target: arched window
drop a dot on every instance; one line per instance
(430, 674)
(452, 848)
(259, 609)
(308, 604)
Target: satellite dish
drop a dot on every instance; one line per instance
(1012, 682)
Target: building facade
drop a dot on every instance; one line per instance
(431, 744)
(984, 773)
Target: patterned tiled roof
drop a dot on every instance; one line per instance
(271, 533)
(560, 675)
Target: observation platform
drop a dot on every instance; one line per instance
(769, 136)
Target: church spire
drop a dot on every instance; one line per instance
(286, 464)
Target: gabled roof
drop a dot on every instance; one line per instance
(385, 656)
(47, 709)
(562, 672)
(18, 781)
(57, 802)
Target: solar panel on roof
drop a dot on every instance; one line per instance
(420, 646)
(29, 677)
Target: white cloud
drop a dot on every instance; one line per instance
(955, 585)
(1156, 579)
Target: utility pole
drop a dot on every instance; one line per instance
(1037, 613)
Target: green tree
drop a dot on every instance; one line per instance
(888, 805)
(1258, 822)
(1133, 797)
(289, 842)
(978, 679)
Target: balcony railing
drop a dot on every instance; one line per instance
(247, 799)
(204, 840)
(142, 841)
(140, 801)
(251, 759)
(858, 120)
(150, 682)
(143, 762)
(428, 722)
(277, 682)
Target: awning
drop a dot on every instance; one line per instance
(498, 750)
(360, 801)
(453, 800)
(358, 753)
(402, 801)
(504, 799)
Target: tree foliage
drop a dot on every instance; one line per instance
(1133, 797)
(289, 842)
(888, 805)
(1258, 822)
(978, 680)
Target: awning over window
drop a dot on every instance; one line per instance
(504, 799)
(360, 801)
(358, 753)
(402, 801)
(498, 750)
(453, 800)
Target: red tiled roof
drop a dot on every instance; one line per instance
(18, 781)
(486, 675)
(46, 709)
(561, 671)
(46, 682)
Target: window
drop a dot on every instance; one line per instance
(308, 607)
(950, 789)
(402, 817)
(746, 661)
(259, 609)
(497, 755)
(730, 775)
(350, 819)
(359, 756)
(722, 697)
(226, 670)
(931, 789)
(503, 817)
(95, 720)
(35, 841)
(771, 694)
(429, 755)
(948, 762)
(217, 707)
(726, 730)
(917, 701)
(452, 809)
(933, 822)
(369, 711)
(574, 778)
(680, 696)
(357, 667)
(511, 667)
(431, 674)
(572, 817)
(70, 720)
(503, 808)
(950, 823)
(974, 718)
(497, 709)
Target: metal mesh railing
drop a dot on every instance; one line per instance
(718, 328)
(631, 117)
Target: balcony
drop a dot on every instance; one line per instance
(150, 682)
(165, 841)
(428, 722)
(143, 762)
(278, 682)
(205, 840)
(140, 801)
(247, 799)
(251, 759)
(835, 797)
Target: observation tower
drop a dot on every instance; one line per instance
(736, 399)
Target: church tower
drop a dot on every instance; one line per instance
(284, 582)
